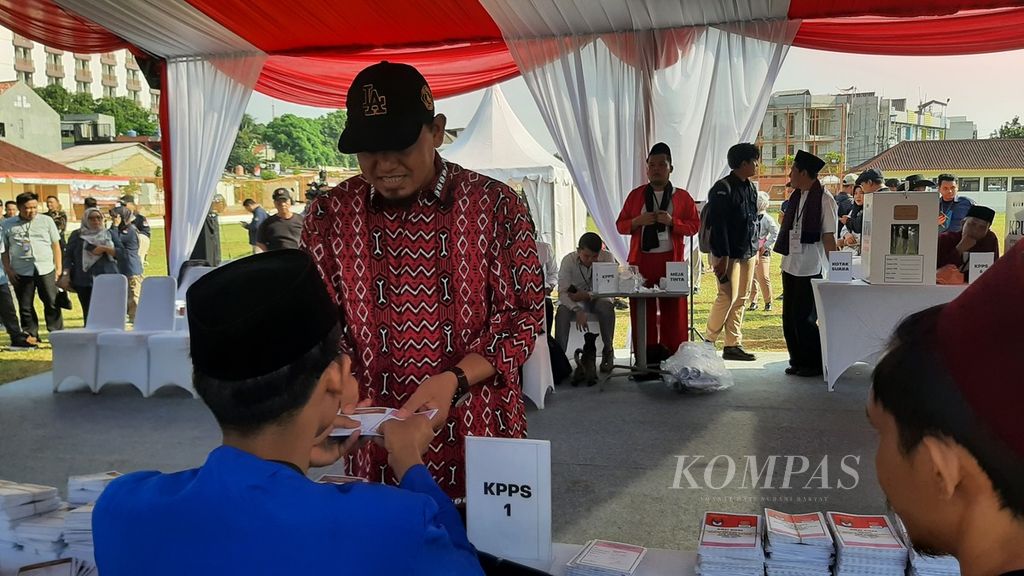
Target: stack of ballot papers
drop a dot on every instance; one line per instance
(43, 534)
(866, 545)
(19, 502)
(78, 534)
(797, 544)
(87, 489)
(370, 419)
(925, 565)
(63, 567)
(604, 558)
(730, 544)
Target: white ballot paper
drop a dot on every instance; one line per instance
(604, 557)
(370, 419)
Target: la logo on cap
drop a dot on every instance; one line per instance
(373, 103)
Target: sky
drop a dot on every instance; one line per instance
(987, 88)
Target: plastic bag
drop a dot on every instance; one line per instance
(696, 366)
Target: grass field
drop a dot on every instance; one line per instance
(761, 330)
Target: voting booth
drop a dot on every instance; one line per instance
(899, 244)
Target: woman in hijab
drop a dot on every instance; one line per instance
(129, 262)
(91, 250)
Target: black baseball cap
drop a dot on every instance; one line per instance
(281, 194)
(870, 175)
(128, 199)
(388, 105)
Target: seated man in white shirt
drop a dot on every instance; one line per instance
(576, 301)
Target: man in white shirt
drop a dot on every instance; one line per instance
(576, 301)
(547, 263)
(807, 235)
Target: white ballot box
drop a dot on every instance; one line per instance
(1014, 219)
(508, 497)
(900, 237)
(605, 277)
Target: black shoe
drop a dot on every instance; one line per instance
(752, 307)
(607, 363)
(809, 372)
(792, 370)
(768, 306)
(737, 353)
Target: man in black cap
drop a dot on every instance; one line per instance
(955, 247)
(869, 182)
(952, 208)
(250, 509)
(436, 271)
(283, 230)
(807, 235)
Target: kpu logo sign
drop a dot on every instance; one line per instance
(778, 472)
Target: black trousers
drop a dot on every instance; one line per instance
(800, 322)
(549, 312)
(26, 289)
(84, 295)
(9, 315)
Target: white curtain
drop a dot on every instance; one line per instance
(207, 100)
(607, 97)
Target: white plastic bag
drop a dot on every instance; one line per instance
(697, 367)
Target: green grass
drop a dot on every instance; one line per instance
(761, 330)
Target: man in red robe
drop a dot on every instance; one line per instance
(435, 271)
(658, 218)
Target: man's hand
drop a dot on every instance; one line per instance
(949, 274)
(12, 276)
(435, 392)
(966, 244)
(645, 219)
(581, 320)
(720, 266)
(580, 296)
(406, 441)
(664, 218)
(843, 219)
(942, 219)
(327, 450)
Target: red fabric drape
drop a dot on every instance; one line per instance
(324, 80)
(974, 32)
(47, 23)
(806, 9)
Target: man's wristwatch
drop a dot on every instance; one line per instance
(462, 391)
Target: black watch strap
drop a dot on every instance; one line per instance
(462, 391)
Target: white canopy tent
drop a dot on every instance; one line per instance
(496, 143)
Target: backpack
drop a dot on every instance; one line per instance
(704, 232)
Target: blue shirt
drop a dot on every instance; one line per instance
(258, 216)
(129, 262)
(955, 211)
(239, 514)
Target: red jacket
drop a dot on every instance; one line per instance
(685, 222)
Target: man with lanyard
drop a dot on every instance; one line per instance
(732, 219)
(946, 401)
(808, 233)
(658, 218)
(33, 262)
(435, 270)
(952, 208)
(576, 299)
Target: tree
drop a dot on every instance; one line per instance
(1011, 129)
(332, 125)
(784, 161)
(249, 134)
(286, 160)
(64, 102)
(302, 138)
(127, 115)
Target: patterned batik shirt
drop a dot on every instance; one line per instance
(419, 287)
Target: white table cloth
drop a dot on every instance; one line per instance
(856, 319)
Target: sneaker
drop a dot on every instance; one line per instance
(752, 307)
(607, 363)
(737, 353)
(767, 306)
(792, 370)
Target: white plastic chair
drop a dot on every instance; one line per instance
(124, 356)
(169, 361)
(74, 351)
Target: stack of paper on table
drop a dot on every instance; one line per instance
(86, 489)
(730, 544)
(797, 544)
(63, 567)
(19, 502)
(78, 533)
(866, 545)
(44, 534)
(370, 419)
(604, 558)
(925, 565)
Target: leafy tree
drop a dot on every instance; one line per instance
(127, 115)
(250, 133)
(302, 138)
(286, 160)
(1011, 129)
(64, 102)
(786, 160)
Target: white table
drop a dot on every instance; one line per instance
(656, 562)
(856, 319)
(641, 299)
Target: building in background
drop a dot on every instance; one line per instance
(926, 121)
(26, 120)
(985, 169)
(960, 128)
(110, 74)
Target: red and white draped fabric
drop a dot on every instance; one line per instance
(308, 52)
